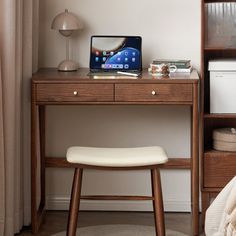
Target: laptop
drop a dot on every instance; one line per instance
(115, 55)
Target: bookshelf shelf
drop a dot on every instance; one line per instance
(220, 116)
(212, 153)
(219, 49)
(218, 42)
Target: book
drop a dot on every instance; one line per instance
(184, 70)
(177, 63)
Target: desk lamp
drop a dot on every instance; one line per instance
(67, 23)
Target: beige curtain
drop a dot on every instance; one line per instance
(18, 59)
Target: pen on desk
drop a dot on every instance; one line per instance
(127, 73)
(104, 77)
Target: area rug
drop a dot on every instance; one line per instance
(119, 230)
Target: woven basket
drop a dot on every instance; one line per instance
(224, 139)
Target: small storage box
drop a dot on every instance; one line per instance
(222, 86)
(224, 139)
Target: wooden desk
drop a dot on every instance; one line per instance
(50, 87)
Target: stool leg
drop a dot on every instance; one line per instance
(74, 202)
(158, 203)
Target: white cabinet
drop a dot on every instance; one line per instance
(222, 86)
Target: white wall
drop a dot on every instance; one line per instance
(170, 29)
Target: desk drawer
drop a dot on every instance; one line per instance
(153, 92)
(75, 92)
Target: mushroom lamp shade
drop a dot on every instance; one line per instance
(66, 23)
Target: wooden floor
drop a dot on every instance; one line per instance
(55, 221)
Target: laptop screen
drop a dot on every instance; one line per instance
(110, 53)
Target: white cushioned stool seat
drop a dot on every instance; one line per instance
(117, 157)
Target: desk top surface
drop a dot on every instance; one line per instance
(52, 75)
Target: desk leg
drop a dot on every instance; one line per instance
(42, 152)
(195, 163)
(37, 211)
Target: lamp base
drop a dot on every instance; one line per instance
(68, 65)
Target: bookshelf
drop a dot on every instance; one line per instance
(218, 41)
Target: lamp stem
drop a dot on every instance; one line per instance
(67, 48)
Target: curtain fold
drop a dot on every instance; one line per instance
(18, 57)
(2, 169)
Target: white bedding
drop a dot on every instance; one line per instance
(221, 215)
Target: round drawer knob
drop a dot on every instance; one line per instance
(75, 93)
(154, 93)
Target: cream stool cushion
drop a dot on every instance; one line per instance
(117, 157)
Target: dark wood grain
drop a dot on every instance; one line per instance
(74, 203)
(173, 163)
(42, 152)
(161, 92)
(34, 208)
(116, 197)
(177, 103)
(50, 87)
(158, 202)
(219, 116)
(75, 92)
(219, 168)
(218, 49)
(195, 161)
(216, 167)
(52, 75)
(156, 198)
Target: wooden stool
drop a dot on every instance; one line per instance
(117, 159)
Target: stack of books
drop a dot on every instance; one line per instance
(183, 66)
